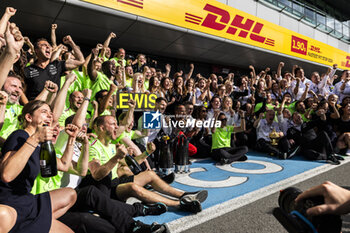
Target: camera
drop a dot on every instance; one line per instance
(294, 219)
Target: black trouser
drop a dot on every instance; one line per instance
(87, 223)
(266, 147)
(241, 139)
(318, 148)
(116, 212)
(232, 154)
(203, 148)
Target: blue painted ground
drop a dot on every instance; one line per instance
(216, 196)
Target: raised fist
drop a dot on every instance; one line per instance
(54, 26)
(67, 40)
(112, 35)
(10, 11)
(72, 130)
(151, 147)
(3, 98)
(121, 151)
(87, 93)
(51, 86)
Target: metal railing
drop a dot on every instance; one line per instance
(313, 17)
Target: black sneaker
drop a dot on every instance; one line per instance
(140, 227)
(169, 178)
(292, 152)
(155, 209)
(243, 158)
(283, 155)
(201, 196)
(332, 160)
(158, 228)
(193, 206)
(339, 157)
(224, 161)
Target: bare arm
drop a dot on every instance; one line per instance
(79, 57)
(3, 102)
(80, 168)
(242, 127)
(92, 72)
(189, 74)
(62, 95)
(9, 12)
(80, 115)
(99, 171)
(257, 121)
(130, 114)
(64, 163)
(105, 101)
(14, 162)
(14, 41)
(53, 35)
(167, 70)
(49, 90)
(279, 69)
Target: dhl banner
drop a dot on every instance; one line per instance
(218, 19)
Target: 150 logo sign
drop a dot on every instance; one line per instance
(299, 45)
(218, 19)
(346, 63)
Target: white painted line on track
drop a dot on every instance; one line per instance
(188, 222)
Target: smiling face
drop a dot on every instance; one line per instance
(75, 100)
(13, 87)
(41, 116)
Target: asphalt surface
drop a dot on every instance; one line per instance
(257, 216)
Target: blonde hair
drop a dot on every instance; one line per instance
(135, 82)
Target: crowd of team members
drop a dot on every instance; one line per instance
(49, 84)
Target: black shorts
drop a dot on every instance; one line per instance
(118, 181)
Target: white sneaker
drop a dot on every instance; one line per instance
(347, 152)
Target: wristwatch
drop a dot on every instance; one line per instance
(86, 98)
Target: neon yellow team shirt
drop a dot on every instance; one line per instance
(67, 113)
(42, 185)
(115, 59)
(11, 122)
(78, 85)
(102, 82)
(103, 153)
(222, 137)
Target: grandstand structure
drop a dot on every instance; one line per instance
(310, 33)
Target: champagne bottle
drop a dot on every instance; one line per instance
(48, 162)
(133, 164)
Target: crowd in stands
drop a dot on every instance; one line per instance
(50, 91)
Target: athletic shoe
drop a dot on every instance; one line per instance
(193, 206)
(140, 227)
(201, 196)
(332, 160)
(292, 152)
(169, 178)
(243, 158)
(339, 157)
(283, 155)
(347, 153)
(154, 209)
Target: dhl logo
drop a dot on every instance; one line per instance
(347, 63)
(134, 3)
(218, 19)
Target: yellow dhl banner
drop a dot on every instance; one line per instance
(218, 19)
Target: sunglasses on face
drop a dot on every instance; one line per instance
(223, 119)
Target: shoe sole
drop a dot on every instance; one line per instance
(201, 196)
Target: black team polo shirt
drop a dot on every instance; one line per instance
(35, 77)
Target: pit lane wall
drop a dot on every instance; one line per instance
(218, 19)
